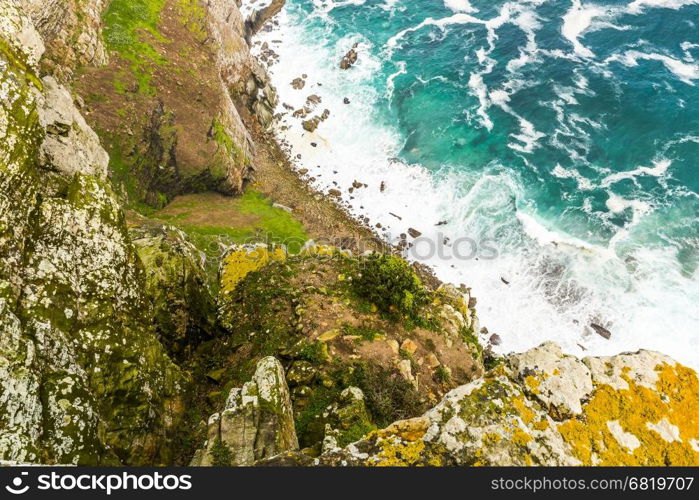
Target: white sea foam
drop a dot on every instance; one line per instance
(460, 6)
(556, 284)
(576, 21)
(658, 169)
(686, 72)
(637, 6)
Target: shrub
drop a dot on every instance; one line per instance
(390, 284)
(221, 455)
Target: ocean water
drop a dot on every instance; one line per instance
(547, 150)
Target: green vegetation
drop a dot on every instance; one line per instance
(128, 26)
(213, 222)
(389, 397)
(224, 140)
(389, 283)
(441, 374)
(221, 455)
(356, 432)
(193, 17)
(471, 339)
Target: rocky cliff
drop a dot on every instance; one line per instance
(137, 333)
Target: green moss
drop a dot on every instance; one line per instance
(193, 16)
(221, 455)
(356, 432)
(309, 428)
(471, 339)
(129, 28)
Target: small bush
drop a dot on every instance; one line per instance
(388, 396)
(390, 284)
(441, 375)
(221, 455)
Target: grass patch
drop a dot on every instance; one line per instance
(214, 222)
(127, 26)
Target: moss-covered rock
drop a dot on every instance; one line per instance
(85, 379)
(184, 310)
(305, 309)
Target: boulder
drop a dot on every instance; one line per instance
(256, 423)
(350, 58)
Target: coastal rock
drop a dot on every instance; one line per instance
(261, 16)
(256, 423)
(350, 58)
(85, 380)
(184, 310)
(504, 419)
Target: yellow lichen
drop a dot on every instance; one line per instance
(239, 263)
(525, 412)
(396, 452)
(532, 383)
(520, 437)
(541, 425)
(675, 398)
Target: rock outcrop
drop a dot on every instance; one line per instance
(72, 32)
(172, 102)
(84, 378)
(543, 407)
(183, 307)
(256, 423)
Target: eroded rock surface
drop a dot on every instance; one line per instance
(546, 408)
(256, 423)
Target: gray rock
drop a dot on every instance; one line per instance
(257, 421)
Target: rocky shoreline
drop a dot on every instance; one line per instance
(134, 156)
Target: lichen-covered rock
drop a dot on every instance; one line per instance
(184, 310)
(246, 80)
(346, 420)
(84, 379)
(256, 423)
(70, 145)
(71, 30)
(542, 407)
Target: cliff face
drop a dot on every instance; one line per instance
(117, 342)
(84, 378)
(72, 33)
(168, 103)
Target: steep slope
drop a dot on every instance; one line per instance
(84, 378)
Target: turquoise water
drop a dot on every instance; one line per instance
(566, 132)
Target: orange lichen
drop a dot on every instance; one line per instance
(675, 398)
